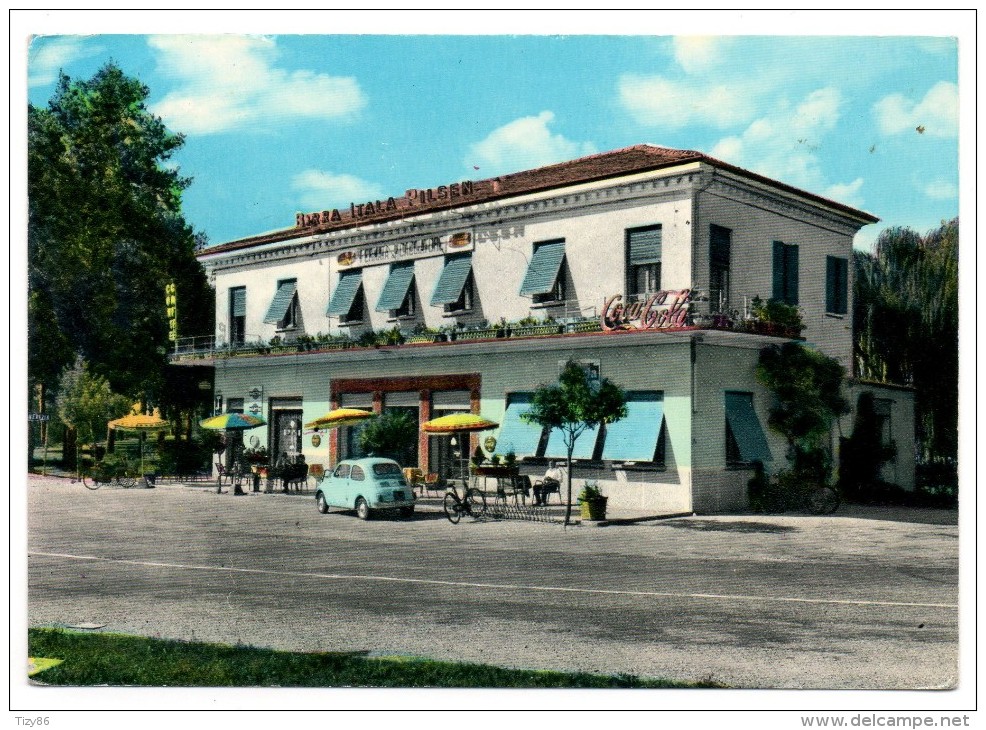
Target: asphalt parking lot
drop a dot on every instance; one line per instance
(865, 598)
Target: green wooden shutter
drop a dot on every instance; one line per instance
(543, 270)
(345, 293)
(644, 245)
(791, 274)
(453, 278)
(283, 297)
(395, 290)
(746, 428)
(237, 301)
(778, 270)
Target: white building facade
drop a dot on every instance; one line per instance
(642, 263)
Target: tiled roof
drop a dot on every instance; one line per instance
(629, 160)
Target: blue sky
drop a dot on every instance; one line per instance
(280, 123)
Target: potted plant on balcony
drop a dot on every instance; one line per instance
(592, 502)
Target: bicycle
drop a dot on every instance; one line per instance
(821, 500)
(472, 504)
(123, 475)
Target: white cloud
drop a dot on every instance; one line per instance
(941, 190)
(522, 144)
(785, 145)
(321, 190)
(658, 101)
(48, 55)
(847, 193)
(227, 82)
(936, 115)
(698, 53)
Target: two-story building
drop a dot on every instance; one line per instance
(642, 263)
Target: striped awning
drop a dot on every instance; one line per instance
(543, 270)
(395, 290)
(281, 302)
(345, 293)
(634, 438)
(743, 422)
(453, 279)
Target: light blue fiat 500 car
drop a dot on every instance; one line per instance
(366, 485)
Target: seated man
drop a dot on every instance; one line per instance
(551, 483)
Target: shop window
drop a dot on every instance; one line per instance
(745, 438)
(720, 243)
(643, 256)
(348, 301)
(836, 285)
(237, 315)
(639, 436)
(454, 290)
(283, 311)
(545, 278)
(397, 297)
(785, 272)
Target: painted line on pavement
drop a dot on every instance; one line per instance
(497, 586)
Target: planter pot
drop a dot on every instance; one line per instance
(594, 509)
(536, 330)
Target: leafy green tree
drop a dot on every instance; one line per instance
(575, 404)
(392, 435)
(86, 403)
(105, 235)
(906, 320)
(807, 386)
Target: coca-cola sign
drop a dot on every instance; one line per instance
(660, 310)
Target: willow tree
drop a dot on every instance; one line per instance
(578, 402)
(906, 326)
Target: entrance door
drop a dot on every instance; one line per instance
(286, 434)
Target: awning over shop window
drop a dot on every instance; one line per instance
(278, 309)
(516, 434)
(453, 278)
(584, 446)
(395, 290)
(745, 425)
(345, 293)
(543, 270)
(634, 438)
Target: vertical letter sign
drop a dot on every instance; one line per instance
(170, 303)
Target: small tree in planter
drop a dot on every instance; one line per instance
(575, 404)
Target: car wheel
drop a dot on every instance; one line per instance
(362, 509)
(320, 502)
(407, 511)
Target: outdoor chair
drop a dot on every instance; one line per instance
(434, 482)
(547, 487)
(223, 475)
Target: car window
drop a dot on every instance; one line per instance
(342, 471)
(387, 470)
(357, 474)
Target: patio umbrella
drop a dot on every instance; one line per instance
(338, 418)
(141, 423)
(458, 423)
(232, 422)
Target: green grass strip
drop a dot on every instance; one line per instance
(118, 660)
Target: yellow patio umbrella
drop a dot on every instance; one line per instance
(458, 423)
(142, 423)
(338, 418)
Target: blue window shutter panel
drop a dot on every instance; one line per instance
(747, 431)
(238, 303)
(452, 280)
(543, 270)
(584, 446)
(634, 438)
(516, 434)
(345, 293)
(644, 245)
(778, 271)
(830, 283)
(791, 274)
(395, 290)
(283, 297)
